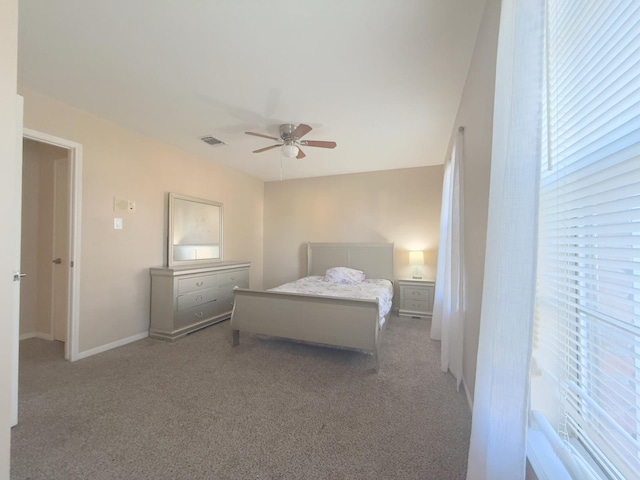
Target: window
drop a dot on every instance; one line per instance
(587, 341)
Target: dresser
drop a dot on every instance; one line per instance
(185, 299)
(416, 297)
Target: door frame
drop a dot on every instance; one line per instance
(75, 209)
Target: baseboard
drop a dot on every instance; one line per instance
(109, 346)
(44, 336)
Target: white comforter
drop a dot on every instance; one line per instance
(379, 289)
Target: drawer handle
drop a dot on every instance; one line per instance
(199, 284)
(198, 315)
(199, 297)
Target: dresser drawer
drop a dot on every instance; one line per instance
(226, 302)
(195, 283)
(195, 314)
(198, 297)
(233, 278)
(184, 300)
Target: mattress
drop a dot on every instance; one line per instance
(370, 289)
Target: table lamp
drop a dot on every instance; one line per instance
(416, 259)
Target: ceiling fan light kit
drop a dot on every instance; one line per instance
(290, 151)
(290, 136)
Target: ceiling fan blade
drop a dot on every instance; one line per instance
(261, 135)
(301, 130)
(267, 148)
(318, 143)
(300, 154)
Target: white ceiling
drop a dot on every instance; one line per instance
(382, 78)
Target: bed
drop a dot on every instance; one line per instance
(339, 321)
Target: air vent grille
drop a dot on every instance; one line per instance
(212, 140)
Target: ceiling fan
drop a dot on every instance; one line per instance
(290, 142)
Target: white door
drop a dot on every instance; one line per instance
(61, 252)
(10, 213)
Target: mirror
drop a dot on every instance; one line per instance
(195, 231)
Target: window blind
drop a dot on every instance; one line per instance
(587, 341)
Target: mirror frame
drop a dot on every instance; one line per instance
(176, 222)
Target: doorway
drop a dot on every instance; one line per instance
(50, 240)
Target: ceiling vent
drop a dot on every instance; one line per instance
(211, 140)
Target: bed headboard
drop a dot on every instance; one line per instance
(374, 259)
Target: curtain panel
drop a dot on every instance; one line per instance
(498, 438)
(447, 323)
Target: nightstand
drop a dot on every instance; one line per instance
(416, 297)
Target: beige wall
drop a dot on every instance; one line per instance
(400, 206)
(37, 236)
(476, 114)
(114, 275)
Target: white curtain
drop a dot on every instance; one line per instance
(448, 309)
(498, 437)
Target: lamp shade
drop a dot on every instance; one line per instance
(290, 151)
(416, 258)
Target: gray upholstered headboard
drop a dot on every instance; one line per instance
(374, 259)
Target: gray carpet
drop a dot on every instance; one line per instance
(267, 409)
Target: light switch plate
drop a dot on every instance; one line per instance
(117, 224)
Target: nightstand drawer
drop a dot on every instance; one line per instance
(416, 306)
(413, 293)
(416, 297)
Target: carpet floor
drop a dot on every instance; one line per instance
(267, 409)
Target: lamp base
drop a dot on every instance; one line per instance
(417, 273)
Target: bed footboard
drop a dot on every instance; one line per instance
(343, 322)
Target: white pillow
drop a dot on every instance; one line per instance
(344, 275)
